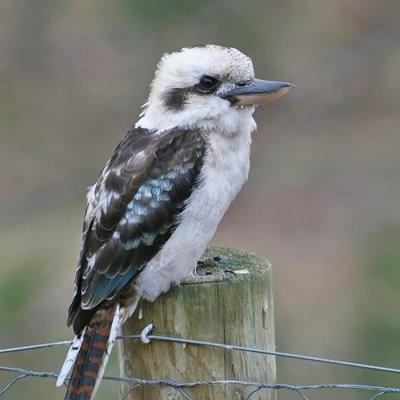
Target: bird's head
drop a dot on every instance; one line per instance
(207, 87)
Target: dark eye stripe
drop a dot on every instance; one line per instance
(175, 98)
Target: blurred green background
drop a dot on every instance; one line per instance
(323, 197)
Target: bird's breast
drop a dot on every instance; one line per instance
(223, 173)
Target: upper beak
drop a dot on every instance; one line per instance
(256, 92)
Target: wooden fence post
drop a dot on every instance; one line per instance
(237, 311)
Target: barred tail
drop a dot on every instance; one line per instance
(91, 360)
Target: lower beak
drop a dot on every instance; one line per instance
(256, 92)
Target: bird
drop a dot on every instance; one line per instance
(159, 199)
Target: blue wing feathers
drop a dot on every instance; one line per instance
(140, 209)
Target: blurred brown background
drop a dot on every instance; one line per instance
(323, 197)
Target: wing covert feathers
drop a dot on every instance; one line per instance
(132, 211)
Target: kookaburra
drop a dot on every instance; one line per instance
(160, 197)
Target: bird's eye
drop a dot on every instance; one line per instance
(207, 83)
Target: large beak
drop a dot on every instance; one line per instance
(256, 92)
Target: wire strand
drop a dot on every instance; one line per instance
(35, 347)
(267, 352)
(136, 383)
(218, 345)
(255, 387)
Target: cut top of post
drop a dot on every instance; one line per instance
(224, 264)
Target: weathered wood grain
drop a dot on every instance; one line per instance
(234, 307)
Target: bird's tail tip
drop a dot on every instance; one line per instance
(90, 355)
(69, 359)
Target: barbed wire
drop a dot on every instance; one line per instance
(181, 387)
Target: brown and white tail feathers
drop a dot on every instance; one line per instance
(90, 353)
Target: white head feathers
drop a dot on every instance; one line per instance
(173, 102)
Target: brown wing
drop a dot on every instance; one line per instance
(132, 211)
